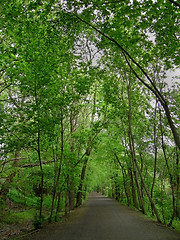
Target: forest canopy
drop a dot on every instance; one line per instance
(89, 100)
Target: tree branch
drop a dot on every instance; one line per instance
(35, 164)
(12, 159)
(161, 98)
(175, 3)
(153, 87)
(5, 88)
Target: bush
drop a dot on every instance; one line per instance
(2, 204)
(37, 221)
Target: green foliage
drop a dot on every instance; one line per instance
(64, 99)
(37, 221)
(18, 197)
(2, 204)
(18, 217)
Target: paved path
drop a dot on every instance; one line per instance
(102, 218)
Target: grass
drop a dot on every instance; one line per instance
(26, 208)
(176, 225)
(17, 197)
(18, 217)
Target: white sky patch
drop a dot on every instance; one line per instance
(173, 77)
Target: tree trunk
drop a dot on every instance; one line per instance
(59, 169)
(133, 190)
(142, 193)
(71, 195)
(117, 187)
(135, 160)
(177, 184)
(124, 180)
(66, 203)
(169, 172)
(58, 206)
(132, 149)
(71, 183)
(147, 192)
(155, 152)
(79, 194)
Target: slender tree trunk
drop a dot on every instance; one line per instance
(39, 149)
(41, 170)
(140, 198)
(177, 184)
(66, 203)
(169, 172)
(162, 196)
(71, 195)
(155, 152)
(71, 182)
(132, 149)
(58, 206)
(133, 190)
(124, 180)
(59, 169)
(42, 181)
(129, 176)
(147, 192)
(79, 194)
(117, 187)
(142, 193)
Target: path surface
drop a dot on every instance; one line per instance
(102, 218)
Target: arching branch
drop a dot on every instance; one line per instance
(151, 87)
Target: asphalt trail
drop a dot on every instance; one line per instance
(102, 218)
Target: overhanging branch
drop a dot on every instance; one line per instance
(126, 54)
(175, 3)
(152, 88)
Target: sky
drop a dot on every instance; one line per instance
(173, 77)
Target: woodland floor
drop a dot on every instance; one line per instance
(102, 218)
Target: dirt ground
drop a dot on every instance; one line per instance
(104, 218)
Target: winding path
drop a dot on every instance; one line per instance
(102, 218)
